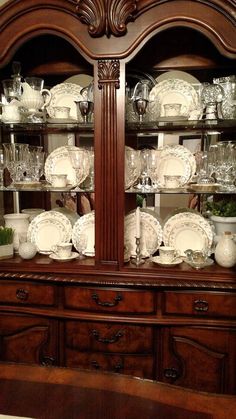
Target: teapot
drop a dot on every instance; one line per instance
(33, 93)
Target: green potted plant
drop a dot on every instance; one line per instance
(6, 242)
(223, 215)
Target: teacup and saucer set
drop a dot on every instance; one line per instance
(168, 257)
(198, 259)
(63, 252)
(173, 183)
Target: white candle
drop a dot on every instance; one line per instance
(138, 222)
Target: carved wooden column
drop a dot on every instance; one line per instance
(108, 73)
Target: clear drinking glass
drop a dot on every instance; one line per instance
(16, 158)
(80, 160)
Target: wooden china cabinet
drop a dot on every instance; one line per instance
(176, 325)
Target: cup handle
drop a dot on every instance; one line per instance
(54, 249)
(47, 99)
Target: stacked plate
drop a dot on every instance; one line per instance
(48, 229)
(151, 233)
(59, 162)
(175, 160)
(187, 230)
(83, 234)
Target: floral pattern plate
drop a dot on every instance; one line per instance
(48, 229)
(151, 233)
(83, 234)
(173, 91)
(187, 230)
(175, 160)
(58, 162)
(65, 94)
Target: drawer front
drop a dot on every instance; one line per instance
(97, 299)
(104, 337)
(24, 293)
(135, 365)
(200, 303)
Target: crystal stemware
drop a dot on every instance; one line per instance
(16, 158)
(85, 107)
(80, 162)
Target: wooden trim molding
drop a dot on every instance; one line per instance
(108, 83)
(106, 17)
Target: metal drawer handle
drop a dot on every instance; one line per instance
(116, 301)
(201, 305)
(171, 373)
(116, 368)
(22, 294)
(113, 339)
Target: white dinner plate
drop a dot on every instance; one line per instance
(65, 94)
(59, 162)
(83, 234)
(151, 233)
(175, 160)
(48, 229)
(187, 230)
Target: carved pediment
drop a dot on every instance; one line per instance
(106, 17)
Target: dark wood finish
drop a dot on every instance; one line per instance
(66, 393)
(72, 314)
(28, 339)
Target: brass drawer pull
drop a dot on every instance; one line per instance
(22, 294)
(116, 301)
(113, 339)
(201, 305)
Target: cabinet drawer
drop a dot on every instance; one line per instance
(25, 293)
(200, 303)
(97, 299)
(135, 365)
(104, 337)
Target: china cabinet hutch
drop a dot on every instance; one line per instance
(176, 324)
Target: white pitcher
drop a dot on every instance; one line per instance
(33, 93)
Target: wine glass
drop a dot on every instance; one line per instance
(80, 162)
(141, 98)
(85, 107)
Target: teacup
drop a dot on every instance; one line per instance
(59, 180)
(167, 254)
(172, 109)
(61, 112)
(62, 250)
(173, 181)
(197, 257)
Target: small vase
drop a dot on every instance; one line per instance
(20, 224)
(225, 251)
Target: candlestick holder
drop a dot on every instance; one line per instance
(137, 260)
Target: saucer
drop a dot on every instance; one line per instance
(208, 262)
(73, 255)
(52, 188)
(157, 259)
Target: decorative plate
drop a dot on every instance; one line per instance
(48, 229)
(151, 233)
(132, 167)
(83, 234)
(173, 91)
(188, 231)
(175, 160)
(59, 162)
(65, 94)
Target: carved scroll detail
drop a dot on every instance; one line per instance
(106, 16)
